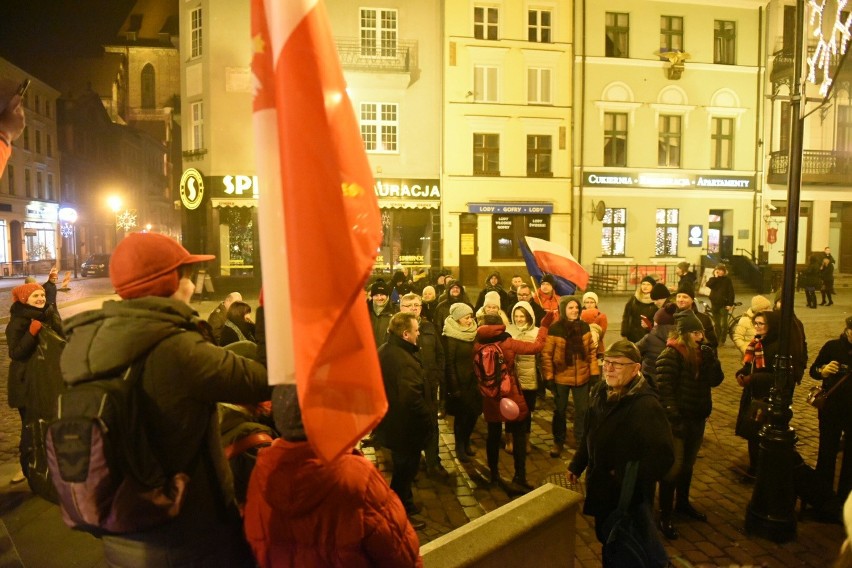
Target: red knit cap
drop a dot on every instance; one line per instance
(145, 264)
(23, 292)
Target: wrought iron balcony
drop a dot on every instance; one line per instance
(357, 57)
(819, 167)
(782, 67)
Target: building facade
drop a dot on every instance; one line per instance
(507, 121)
(668, 158)
(30, 186)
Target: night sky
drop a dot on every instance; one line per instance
(32, 31)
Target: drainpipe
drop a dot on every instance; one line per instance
(577, 220)
(759, 147)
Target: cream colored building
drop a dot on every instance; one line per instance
(507, 132)
(667, 150)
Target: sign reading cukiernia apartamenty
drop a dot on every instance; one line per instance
(665, 180)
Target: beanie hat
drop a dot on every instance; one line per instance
(649, 279)
(23, 292)
(287, 414)
(660, 292)
(687, 321)
(684, 266)
(146, 264)
(379, 287)
(591, 295)
(549, 279)
(686, 288)
(624, 348)
(492, 298)
(665, 315)
(459, 310)
(760, 304)
(454, 284)
(589, 315)
(53, 272)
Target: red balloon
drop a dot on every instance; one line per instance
(509, 409)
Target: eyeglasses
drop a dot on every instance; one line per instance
(760, 324)
(616, 365)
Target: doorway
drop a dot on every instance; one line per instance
(720, 232)
(468, 267)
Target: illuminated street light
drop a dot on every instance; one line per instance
(68, 216)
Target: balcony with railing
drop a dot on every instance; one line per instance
(819, 167)
(782, 67)
(400, 57)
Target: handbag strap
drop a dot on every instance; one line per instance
(837, 385)
(628, 484)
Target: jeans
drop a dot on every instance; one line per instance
(679, 477)
(405, 466)
(581, 404)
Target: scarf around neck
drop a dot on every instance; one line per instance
(754, 353)
(453, 329)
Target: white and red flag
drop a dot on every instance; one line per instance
(320, 225)
(556, 259)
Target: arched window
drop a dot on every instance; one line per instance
(148, 87)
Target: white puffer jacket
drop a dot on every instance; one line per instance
(525, 365)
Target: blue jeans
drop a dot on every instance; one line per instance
(581, 404)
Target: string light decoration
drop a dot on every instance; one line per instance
(126, 220)
(832, 34)
(66, 229)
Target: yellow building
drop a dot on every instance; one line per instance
(507, 132)
(668, 157)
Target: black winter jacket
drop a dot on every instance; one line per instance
(840, 401)
(22, 344)
(721, 291)
(431, 355)
(381, 322)
(406, 424)
(684, 388)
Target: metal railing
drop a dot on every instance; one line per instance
(614, 278)
(818, 166)
(398, 59)
(23, 268)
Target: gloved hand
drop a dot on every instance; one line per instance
(548, 319)
(550, 385)
(35, 327)
(708, 354)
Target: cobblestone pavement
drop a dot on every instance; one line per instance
(717, 489)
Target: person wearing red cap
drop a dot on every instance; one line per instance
(28, 314)
(184, 377)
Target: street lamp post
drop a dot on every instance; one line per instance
(68, 216)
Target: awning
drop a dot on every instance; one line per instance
(400, 204)
(233, 202)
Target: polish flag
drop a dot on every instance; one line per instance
(553, 258)
(319, 225)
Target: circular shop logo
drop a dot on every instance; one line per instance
(191, 188)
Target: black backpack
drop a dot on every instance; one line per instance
(106, 475)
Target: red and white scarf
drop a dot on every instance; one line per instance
(754, 353)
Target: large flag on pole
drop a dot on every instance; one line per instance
(319, 225)
(552, 258)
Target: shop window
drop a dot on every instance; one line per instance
(725, 42)
(614, 232)
(615, 139)
(379, 32)
(406, 239)
(484, 84)
(617, 34)
(722, 144)
(485, 21)
(671, 34)
(486, 154)
(508, 231)
(665, 239)
(195, 33)
(238, 229)
(539, 26)
(538, 86)
(539, 158)
(669, 141)
(380, 127)
(40, 240)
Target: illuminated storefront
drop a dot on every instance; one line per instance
(411, 213)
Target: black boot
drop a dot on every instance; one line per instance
(684, 507)
(519, 453)
(666, 502)
(823, 299)
(829, 299)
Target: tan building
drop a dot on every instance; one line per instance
(507, 123)
(668, 156)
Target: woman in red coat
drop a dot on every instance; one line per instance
(303, 512)
(494, 331)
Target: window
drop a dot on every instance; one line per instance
(484, 84)
(39, 186)
(508, 231)
(539, 26)
(485, 21)
(48, 145)
(47, 110)
(380, 127)
(670, 138)
(37, 103)
(844, 128)
(486, 154)
(725, 42)
(671, 34)
(148, 87)
(615, 139)
(28, 183)
(665, 239)
(614, 231)
(539, 150)
(197, 139)
(10, 174)
(38, 141)
(26, 137)
(50, 194)
(379, 32)
(538, 86)
(617, 34)
(195, 33)
(722, 144)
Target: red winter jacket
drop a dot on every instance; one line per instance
(301, 512)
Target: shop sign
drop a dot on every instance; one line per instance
(42, 211)
(411, 259)
(237, 187)
(191, 188)
(637, 180)
(503, 223)
(408, 188)
(511, 208)
(696, 235)
(537, 222)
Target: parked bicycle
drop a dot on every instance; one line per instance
(733, 317)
